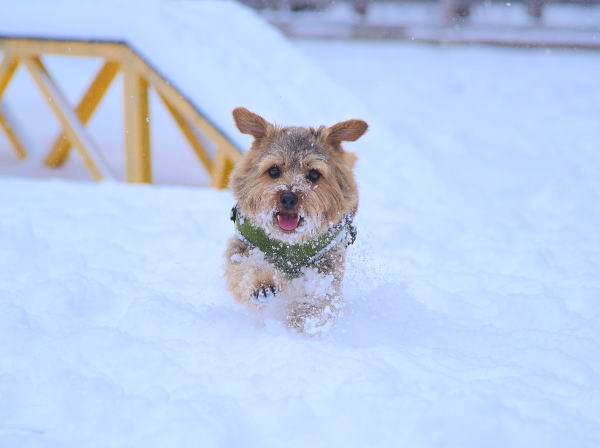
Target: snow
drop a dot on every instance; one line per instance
(472, 290)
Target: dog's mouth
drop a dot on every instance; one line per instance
(288, 221)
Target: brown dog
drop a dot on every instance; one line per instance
(296, 198)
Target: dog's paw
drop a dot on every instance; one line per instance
(263, 295)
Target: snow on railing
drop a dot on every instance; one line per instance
(138, 78)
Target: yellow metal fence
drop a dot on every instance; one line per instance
(138, 78)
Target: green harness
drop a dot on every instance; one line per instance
(291, 258)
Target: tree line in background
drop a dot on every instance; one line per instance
(451, 11)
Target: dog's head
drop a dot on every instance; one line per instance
(295, 182)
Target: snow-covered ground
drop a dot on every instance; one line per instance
(473, 292)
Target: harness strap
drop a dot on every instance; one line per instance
(291, 258)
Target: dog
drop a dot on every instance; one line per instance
(296, 199)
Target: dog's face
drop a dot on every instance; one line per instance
(295, 182)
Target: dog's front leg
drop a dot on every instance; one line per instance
(250, 278)
(319, 302)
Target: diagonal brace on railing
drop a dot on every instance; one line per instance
(84, 111)
(188, 133)
(8, 66)
(72, 126)
(7, 125)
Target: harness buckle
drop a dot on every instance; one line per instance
(352, 232)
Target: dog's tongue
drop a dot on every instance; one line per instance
(288, 222)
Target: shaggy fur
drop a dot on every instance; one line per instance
(313, 300)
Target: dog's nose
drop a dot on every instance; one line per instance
(288, 200)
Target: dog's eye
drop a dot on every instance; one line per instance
(274, 172)
(313, 175)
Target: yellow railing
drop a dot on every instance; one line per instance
(138, 77)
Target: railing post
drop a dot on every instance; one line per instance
(137, 127)
(222, 167)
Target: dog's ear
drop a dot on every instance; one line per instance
(346, 131)
(250, 123)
